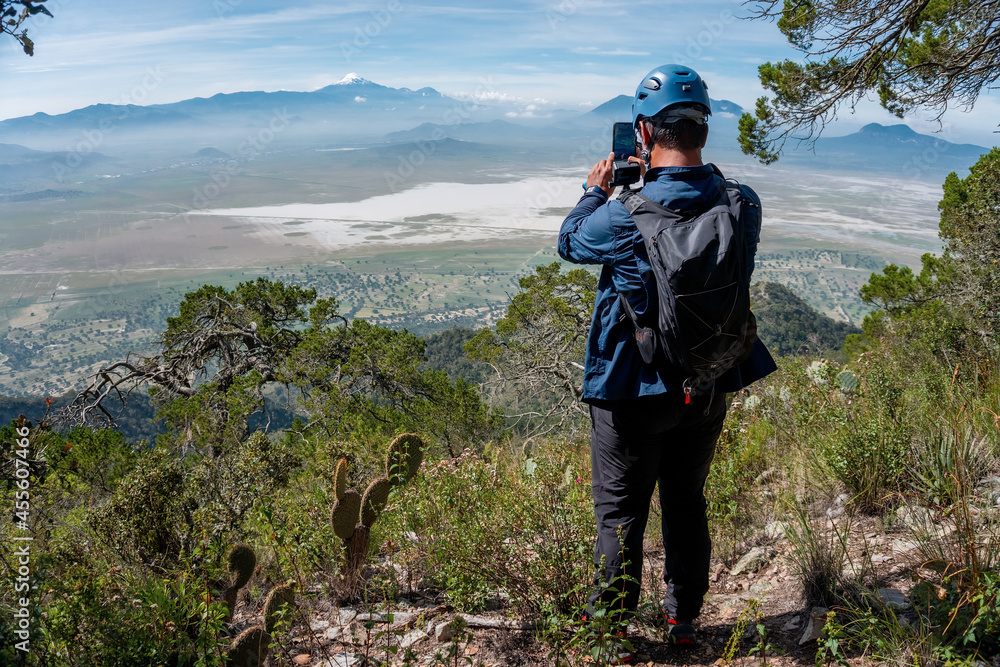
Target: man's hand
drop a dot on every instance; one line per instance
(642, 165)
(600, 175)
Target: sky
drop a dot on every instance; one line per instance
(534, 55)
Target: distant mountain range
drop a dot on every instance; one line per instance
(352, 107)
(893, 148)
(21, 165)
(363, 113)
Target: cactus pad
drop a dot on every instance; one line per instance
(346, 513)
(281, 597)
(406, 453)
(848, 381)
(340, 478)
(374, 499)
(357, 549)
(230, 595)
(250, 648)
(242, 561)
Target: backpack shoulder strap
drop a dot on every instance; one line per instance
(633, 200)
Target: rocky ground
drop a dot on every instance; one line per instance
(765, 578)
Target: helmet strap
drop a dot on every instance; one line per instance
(644, 154)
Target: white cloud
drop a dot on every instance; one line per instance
(595, 51)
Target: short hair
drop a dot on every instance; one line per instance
(684, 134)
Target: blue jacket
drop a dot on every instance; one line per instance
(599, 231)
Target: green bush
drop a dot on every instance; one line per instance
(870, 455)
(520, 529)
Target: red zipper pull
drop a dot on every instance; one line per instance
(687, 395)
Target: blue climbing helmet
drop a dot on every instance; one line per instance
(669, 86)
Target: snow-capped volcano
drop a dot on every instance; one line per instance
(352, 79)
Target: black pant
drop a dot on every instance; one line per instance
(634, 445)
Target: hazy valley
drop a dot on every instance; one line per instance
(411, 208)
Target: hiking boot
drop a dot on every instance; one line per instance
(680, 633)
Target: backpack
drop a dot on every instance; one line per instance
(704, 326)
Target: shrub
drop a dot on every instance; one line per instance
(516, 528)
(870, 455)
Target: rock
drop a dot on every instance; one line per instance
(333, 633)
(445, 632)
(765, 476)
(400, 617)
(991, 482)
(759, 589)
(878, 559)
(728, 606)
(791, 624)
(753, 561)
(814, 625)
(893, 599)
(375, 618)
(916, 518)
(347, 615)
(319, 626)
(774, 531)
(412, 638)
(341, 660)
(302, 659)
(717, 571)
(904, 546)
(839, 506)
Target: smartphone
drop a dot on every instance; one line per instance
(623, 143)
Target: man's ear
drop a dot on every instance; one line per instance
(647, 135)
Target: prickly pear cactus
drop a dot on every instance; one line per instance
(848, 381)
(406, 453)
(242, 561)
(354, 514)
(340, 477)
(281, 597)
(250, 648)
(346, 514)
(357, 550)
(374, 499)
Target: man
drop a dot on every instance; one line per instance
(645, 430)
